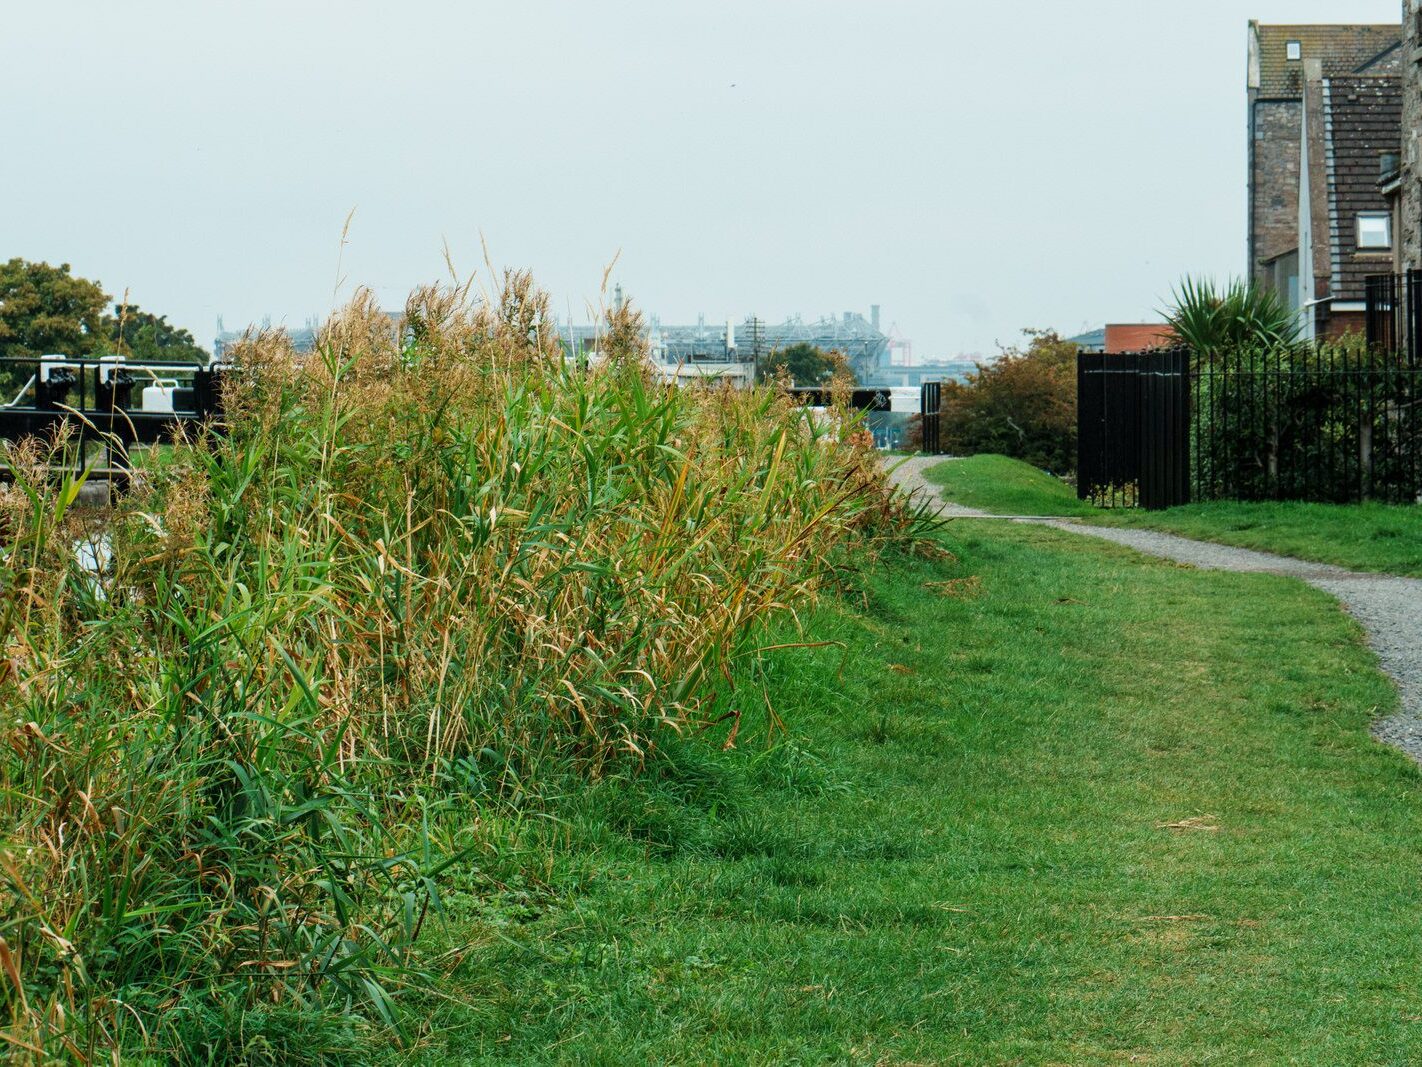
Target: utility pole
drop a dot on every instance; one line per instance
(753, 324)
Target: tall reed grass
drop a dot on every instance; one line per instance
(420, 569)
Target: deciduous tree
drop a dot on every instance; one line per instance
(46, 309)
(1023, 405)
(139, 334)
(806, 364)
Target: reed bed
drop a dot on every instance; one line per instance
(419, 570)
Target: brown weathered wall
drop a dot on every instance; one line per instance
(1275, 181)
(1339, 324)
(1410, 212)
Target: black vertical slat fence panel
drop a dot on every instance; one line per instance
(930, 399)
(1122, 424)
(1090, 444)
(1178, 468)
(1083, 422)
(1133, 428)
(1147, 408)
(1148, 421)
(1164, 429)
(1083, 430)
(1109, 428)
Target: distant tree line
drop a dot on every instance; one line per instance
(46, 309)
(804, 364)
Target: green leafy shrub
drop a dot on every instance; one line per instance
(1329, 422)
(1235, 316)
(1023, 405)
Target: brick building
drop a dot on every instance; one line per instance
(1137, 336)
(1277, 55)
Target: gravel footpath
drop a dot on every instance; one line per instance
(1390, 609)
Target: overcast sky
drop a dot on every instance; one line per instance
(973, 167)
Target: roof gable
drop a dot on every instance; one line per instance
(1388, 61)
(1343, 50)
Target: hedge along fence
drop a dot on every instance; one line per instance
(1329, 423)
(1326, 423)
(421, 573)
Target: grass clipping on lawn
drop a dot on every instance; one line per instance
(423, 566)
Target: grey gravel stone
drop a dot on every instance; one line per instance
(1390, 609)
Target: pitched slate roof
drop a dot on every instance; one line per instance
(1362, 120)
(1343, 49)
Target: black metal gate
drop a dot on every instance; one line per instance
(1394, 313)
(1133, 436)
(930, 397)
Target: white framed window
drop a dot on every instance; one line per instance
(1374, 230)
(1294, 50)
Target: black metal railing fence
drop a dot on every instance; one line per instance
(105, 405)
(1327, 423)
(1332, 423)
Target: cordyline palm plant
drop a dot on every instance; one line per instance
(422, 570)
(1238, 316)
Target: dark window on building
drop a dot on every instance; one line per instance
(1282, 275)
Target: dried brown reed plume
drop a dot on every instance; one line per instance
(432, 559)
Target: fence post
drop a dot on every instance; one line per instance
(1083, 423)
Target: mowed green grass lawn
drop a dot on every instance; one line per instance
(1370, 537)
(1048, 803)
